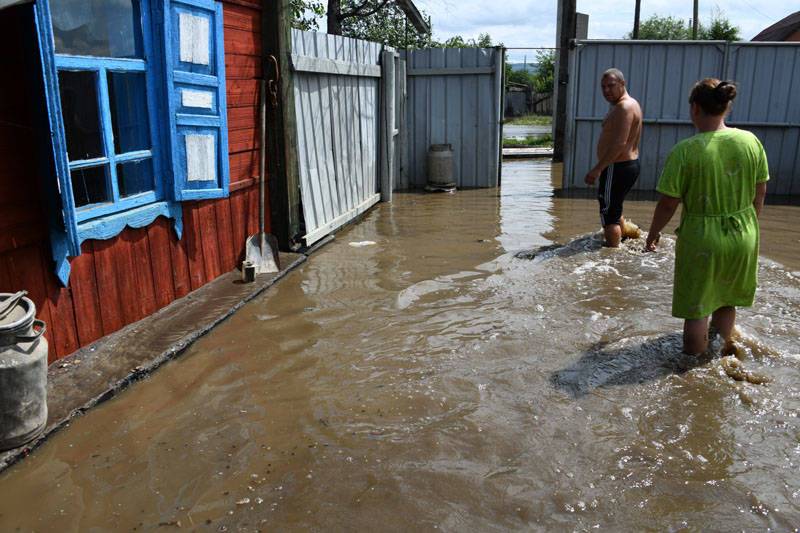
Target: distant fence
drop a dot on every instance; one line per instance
(454, 97)
(520, 103)
(660, 73)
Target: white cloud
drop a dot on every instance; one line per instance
(518, 23)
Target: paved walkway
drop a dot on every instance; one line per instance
(100, 370)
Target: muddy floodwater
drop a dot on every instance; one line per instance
(431, 370)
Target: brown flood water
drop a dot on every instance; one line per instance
(434, 381)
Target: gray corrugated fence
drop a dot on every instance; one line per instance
(454, 97)
(660, 74)
(336, 91)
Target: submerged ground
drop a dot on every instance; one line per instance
(422, 373)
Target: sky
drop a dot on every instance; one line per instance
(518, 23)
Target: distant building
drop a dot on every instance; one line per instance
(787, 29)
(581, 26)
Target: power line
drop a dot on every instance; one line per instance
(756, 10)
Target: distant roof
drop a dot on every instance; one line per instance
(781, 29)
(413, 15)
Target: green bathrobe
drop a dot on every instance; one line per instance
(716, 255)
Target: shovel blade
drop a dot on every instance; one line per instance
(263, 259)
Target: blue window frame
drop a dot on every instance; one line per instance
(136, 104)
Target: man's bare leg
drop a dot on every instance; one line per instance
(695, 336)
(613, 235)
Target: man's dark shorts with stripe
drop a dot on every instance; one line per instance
(615, 182)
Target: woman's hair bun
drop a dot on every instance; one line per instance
(725, 91)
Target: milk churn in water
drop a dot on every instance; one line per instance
(440, 167)
(23, 371)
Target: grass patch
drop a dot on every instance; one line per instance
(531, 120)
(529, 142)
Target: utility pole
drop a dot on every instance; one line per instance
(694, 19)
(565, 33)
(636, 16)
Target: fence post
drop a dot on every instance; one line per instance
(402, 144)
(387, 112)
(499, 84)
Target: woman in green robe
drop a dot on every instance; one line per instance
(720, 176)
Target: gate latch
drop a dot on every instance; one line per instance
(272, 84)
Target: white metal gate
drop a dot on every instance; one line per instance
(337, 100)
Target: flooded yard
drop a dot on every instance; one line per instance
(420, 373)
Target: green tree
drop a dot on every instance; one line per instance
(541, 82)
(545, 71)
(305, 14)
(387, 25)
(484, 40)
(719, 28)
(663, 29)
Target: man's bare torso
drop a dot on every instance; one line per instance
(626, 105)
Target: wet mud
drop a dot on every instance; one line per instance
(474, 361)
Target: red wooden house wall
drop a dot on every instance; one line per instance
(118, 281)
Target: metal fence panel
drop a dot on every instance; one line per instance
(336, 90)
(454, 97)
(659, 75)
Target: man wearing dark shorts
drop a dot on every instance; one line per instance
(617, 154)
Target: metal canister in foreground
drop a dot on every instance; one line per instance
(23, 371)
(440, 167)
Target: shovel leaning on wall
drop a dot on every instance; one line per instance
(261, 249)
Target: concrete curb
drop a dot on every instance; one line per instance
(108, 366)
(526, 153)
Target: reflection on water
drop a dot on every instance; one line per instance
(484, 365)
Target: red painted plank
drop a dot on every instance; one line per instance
(242, 42)
(22, 236)
(243, 166)
(160, 257)
(242, 118)
(242, 18)
(239, 222)
(125, 273)
(83, 283)
(194, 248)
(243, 141)
(5, 277)
(208, 233)
(143, 271)
(227, 247)
(62, 308)
(108, 294)
(180, 263)
(242, 67)
(241, 93)
(255, 4)
(252, 211)
(25, 270)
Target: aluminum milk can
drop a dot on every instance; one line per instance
(23, 371)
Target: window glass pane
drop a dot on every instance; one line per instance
(103, 28)
(135, 177)
(127, 95)
(90, 186)
(81, 117)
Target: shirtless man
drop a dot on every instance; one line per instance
(617, 154)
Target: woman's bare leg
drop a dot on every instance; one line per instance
(724, 319)
(695, 336)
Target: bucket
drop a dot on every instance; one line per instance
(440, 166)
(23, 371)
